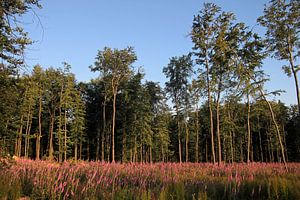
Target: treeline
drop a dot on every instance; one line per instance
(214, 107)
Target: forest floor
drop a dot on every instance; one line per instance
(23, 178)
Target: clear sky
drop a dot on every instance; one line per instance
(74, 30)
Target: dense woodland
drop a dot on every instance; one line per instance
(213, 107)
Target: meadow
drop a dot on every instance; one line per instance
(100, 180)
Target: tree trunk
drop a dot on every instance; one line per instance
(273, 120)
(28, 136)
(65, 132)
(231, 146)
(284, 142)
(291, 60)
(206, 151)
(113, 125)
(104, 129)
(210, 113)
(218, 126)
(135, 149)
(241, 152)
(260, 147)
(150, 154)
(80, 150)
(27, 133)
(124, 155)
(186, 142)
(19, 139)
(276, 126)
(178, 129)
(39, 135)
(197, 136)
(248, 128)
(75, 151)
(141, 152)
(98, 142)
(52, 119)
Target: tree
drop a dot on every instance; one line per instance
(251, 55)
(38, 76)
(203, 37)
(13, 38)
(77, 122)
(52, 98)
(117, 63)
(282, 20)
(178, 71)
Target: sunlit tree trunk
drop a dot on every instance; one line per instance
(248, 128)
(113, 125)
(218, 123)
(186, 142)
(197, 136)
(104, 128)
(210, 113)
(39, 135)
(179, 131)
(52, 119)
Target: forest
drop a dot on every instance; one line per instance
(213, 108)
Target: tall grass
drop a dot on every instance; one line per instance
(99, 180)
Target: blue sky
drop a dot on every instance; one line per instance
(74, 30)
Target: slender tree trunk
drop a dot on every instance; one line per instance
(76, 151)
(108, 145)
(248, 128)
(19, 139)
(260, 146)
(135, 149)
(197, 136)
(274, 122)
(52, 119)
(60, 139)
(179, 131)
(292, 65)
(150, 154)
(269, 149)
(113, 125)
(65, 132)
(124, 155)
(88, 150)
(210, 113)
(284, 142)
(104, 128)
(218, 126)
(162, 154)
(98, 142)
(27, 133)
(231, 147)
(141, 152)
(241, 152)
(131, 155)
(186, 142)
(39, 135)
(80, 150)
(206, 151)
(276, 126)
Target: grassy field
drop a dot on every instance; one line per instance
(98, 180)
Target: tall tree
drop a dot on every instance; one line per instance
(282, 20)
(203, 36)
(178, 71)
(38, 76)
(117, 63)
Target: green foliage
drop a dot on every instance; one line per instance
(13, 38)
